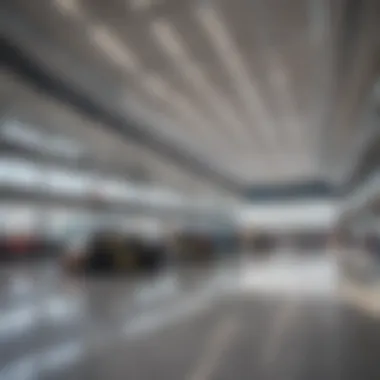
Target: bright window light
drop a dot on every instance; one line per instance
(25, 136)
(65, 181)
(18, 172)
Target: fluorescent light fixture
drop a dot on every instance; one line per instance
(154, 85)
(225, 47)
(115, 49)
(158, 120)
(280, 81)
(171, 43)
(70, 7)
(169, 39)
(140, 5)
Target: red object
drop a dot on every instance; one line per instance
(19, 245)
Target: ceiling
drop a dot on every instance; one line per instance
(223, 94)
(92, 147)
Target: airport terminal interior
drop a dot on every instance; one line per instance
(189, 189)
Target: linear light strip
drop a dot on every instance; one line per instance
(120, 54)
(154, 85)
(140, 5)
(216, 29)
(280, 81)
(171, 44)
(69, 7)
(115, 49)
(185, 108)
(278, 76)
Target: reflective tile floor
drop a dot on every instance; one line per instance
(281, 319)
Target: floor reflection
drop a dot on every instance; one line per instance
(53, 326)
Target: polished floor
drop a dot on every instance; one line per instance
(279, 319)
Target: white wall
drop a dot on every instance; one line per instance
(289, 215)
